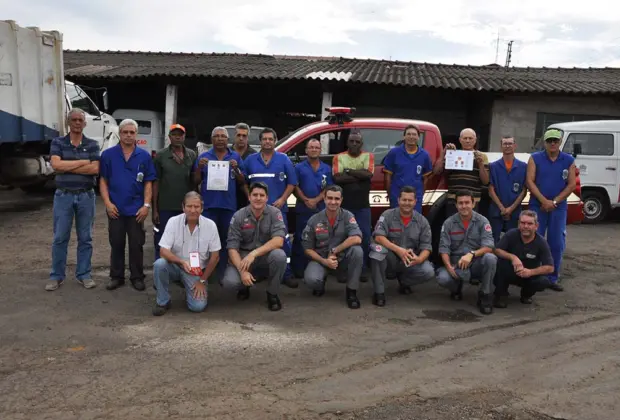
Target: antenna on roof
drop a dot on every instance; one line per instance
(509, 54)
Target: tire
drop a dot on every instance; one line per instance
(39, 187)
(595, 206)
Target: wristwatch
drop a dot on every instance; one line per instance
(203, 281)
(555, 203)
(147, 205)
(473, 253)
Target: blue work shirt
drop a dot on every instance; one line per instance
(551, 176)
(312, 183)
(220, 199)
(407, 169)
(126, 178)
(277, 174)
(507, 184)
(88, 149)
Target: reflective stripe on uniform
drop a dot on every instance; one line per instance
(262, 176)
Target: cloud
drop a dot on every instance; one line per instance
(550, 32)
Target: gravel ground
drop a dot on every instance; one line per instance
(95, 354)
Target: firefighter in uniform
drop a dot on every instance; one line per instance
(401, 245)
(255, 239)
(313, 177)
(332, 239)
(466, 249)
(551, 179)
(276, 171)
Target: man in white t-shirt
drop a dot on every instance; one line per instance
(189, 250)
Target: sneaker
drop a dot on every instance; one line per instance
(88, 283)
(556, 287)
(159, 310)
(52, 285)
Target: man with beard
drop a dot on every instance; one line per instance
(220, 205)
(174, 179)
(331, 240)
(313, 177)
(401, 245)
(524, 260)
(255, 239)
(127, 174)
(466, 249)
(551, 178)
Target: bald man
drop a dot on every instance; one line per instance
(473, 180)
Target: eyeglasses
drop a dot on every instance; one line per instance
(552, 141)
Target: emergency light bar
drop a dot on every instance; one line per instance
(339, 114)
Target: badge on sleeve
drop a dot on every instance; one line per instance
(352, 220)
(565, 174)
(378, 248)
(280, 217)
(487, 227)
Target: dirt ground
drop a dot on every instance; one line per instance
(95, 354)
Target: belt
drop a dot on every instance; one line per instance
(80, 191)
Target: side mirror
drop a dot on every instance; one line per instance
(105, 100)
(576, 149)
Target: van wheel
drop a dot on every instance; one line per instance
(595, 206)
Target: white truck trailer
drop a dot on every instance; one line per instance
(34, 102)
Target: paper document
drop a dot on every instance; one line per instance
(459, 160)
(218, 175)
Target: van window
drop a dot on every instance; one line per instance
(592, 144)
(144, 127)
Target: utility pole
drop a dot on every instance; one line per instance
(509, 54)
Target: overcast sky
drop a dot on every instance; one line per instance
(545, 32)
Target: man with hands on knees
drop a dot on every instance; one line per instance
(254, 243)
(524, 259)
(331, 240)
(466, 249)
(189, 250)
(402, 243)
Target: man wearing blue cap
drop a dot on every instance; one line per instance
(551, 179)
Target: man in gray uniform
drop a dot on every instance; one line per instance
(466, 249)
(401, 245)
(254, 243)
(332, 239)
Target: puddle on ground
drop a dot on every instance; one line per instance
(457, 315)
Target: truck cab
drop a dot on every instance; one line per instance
(595, 145)
(151, 133)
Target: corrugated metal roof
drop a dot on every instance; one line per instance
(120, 64)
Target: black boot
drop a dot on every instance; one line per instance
(243, 294)
(115, 284)
(500, 302)
(378, 299)
(403, 289)
(485, 303)
(273, 302)
(352, 301)
(458, 295)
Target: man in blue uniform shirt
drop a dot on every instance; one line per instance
(276, 170)
(551, 179)
(405, 165)
(313, 177)
(506, 189)
(127, 175)
(219, 204)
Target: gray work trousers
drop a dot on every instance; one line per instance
(408, 276)
(352, 264)
(274, 264)
(482, 268)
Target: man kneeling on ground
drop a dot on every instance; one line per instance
(402, 243)
(331, 240)
(466, 249)
(189, 254)
(255, 240)
(524, 260)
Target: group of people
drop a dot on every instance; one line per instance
(235, 226)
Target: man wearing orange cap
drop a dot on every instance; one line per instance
(174, 179)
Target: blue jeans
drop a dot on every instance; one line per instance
(221, 217)
(499, 225)
(363, 218)
(299, 261)
(164, 216)
(164, 273)
(554, 225)
(67, 205)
